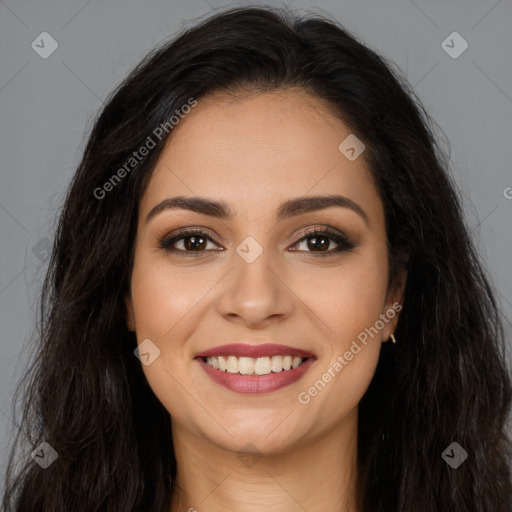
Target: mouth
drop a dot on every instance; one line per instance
(255, 369)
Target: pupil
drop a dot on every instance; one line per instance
(195, 242)
(324, 245)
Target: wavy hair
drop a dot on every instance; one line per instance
(446, 380)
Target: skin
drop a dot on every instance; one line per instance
(255, 151)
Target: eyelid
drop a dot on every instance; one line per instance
(322, 229)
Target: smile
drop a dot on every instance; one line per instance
(255, 369)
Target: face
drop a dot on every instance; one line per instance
(267, 266)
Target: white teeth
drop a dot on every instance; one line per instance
(246, 365)
(254, 366)
(276, 363)
(232, 364)
(222, 363)
(262, 366)
(213, 361)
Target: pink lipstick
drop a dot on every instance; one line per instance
(255, 369)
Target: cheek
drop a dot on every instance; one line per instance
(361, 294)
(348, 298)
(163, 301)
(162, 296)
(349, 302)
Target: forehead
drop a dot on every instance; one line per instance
(257, 149)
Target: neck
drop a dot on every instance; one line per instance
(316, 475)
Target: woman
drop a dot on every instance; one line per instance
(260, 207)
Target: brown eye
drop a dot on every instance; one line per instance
(318, 242)
(194, 242)
(187, 241)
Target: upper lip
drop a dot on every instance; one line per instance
(247, 350)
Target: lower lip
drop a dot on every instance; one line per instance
(256, 384)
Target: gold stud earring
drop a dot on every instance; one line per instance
(392, 338)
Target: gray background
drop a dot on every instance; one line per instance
(47, 106)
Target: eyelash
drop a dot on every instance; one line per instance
(343, 242)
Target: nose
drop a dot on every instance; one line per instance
(255, 293)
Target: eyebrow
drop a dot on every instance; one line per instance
(290, 208)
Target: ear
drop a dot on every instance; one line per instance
(394, 303)
(130, 316)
